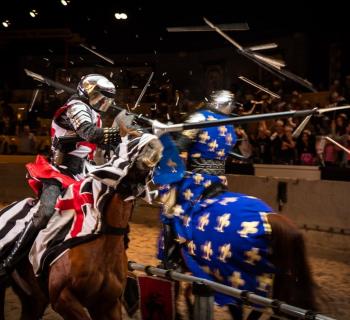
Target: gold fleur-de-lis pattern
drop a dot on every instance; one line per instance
(213, 142)
(198, 178)
(213, 145)
(203, 221)
(191, 247)
(207, 183)
(188, 194)
(207, 251)
(223, 222)
(248, 227)
(224, 233)
(266, 224)
(222, 131)
(265, 282)
(253, 256)
(204, 137)
(229, 139)
(236, 280)
(225, 252)
(221, 152)
(177, 210)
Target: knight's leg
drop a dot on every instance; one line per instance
(171, 248)
(48, 198)
(50, 193)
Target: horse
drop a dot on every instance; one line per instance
(237, 240)
(88, 280)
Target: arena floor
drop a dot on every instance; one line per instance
(331, 275)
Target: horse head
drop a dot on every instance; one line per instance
(150, 153)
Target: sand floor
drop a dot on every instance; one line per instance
(333, 277)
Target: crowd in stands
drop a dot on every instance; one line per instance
(268, 142)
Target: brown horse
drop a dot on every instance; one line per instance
(201, 224)
(87, 281)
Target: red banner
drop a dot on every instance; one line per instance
(157, 298)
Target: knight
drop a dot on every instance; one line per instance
(204, 151)
(208, 148)
(79, 116)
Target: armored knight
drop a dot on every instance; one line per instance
(79, 116)
(208, 148)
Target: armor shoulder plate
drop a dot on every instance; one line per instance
(79, 113)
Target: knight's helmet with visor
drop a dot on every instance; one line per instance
(223, 101)
(98, 90)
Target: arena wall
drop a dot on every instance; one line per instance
(320, 207)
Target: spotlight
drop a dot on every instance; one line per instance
(33, 13)
(121, 16)
(65, 2)
(6, 23)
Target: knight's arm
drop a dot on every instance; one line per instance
(81, 118)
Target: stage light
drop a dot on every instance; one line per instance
(33, 13)
(6, 23)
(121, 16)
(65, 2)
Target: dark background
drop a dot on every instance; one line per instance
(322, 27)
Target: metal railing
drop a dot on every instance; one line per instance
(247, 297)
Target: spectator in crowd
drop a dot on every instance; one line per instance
(7, 126)
(262, 144)
(26, 141)
(306, 151)
(7, 111)
(287, 151)
(276, 141)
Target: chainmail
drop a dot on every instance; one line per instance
(208, 166)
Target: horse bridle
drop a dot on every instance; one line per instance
(107, 229)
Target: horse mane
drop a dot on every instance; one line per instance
(293, 280)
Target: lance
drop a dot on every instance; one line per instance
(227, 27)
(143, 91)
(49, 82)
(260, 87)
(266, 63)
(70, 90)
(35, 95)
(338, 144)
(97, 54)
(161, 128)
(302, 125)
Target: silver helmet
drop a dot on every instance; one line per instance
(98, 90)
(223, 101)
